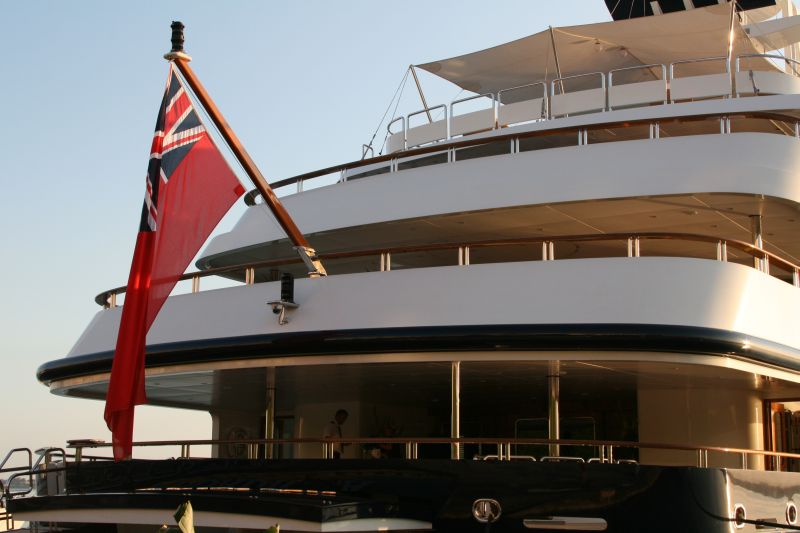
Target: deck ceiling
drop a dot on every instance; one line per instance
(722, 215)
(410, 383)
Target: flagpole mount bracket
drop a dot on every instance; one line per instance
(279, 307)
(312, 262)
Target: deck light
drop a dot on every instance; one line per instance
(279, 307)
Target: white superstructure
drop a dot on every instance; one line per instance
(601, 245)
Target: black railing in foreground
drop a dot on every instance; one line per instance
(632, 241)
(54, 460)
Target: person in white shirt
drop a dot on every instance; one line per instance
(334, 431)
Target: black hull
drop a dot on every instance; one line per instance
(629, 497)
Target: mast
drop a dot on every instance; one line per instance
(301, 245)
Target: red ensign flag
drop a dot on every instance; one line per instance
(190, 187)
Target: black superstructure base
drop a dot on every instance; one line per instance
(629, 497)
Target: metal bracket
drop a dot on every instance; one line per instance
(313, 264)
(279, 307)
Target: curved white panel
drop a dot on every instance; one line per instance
(750, 163)
(646, 290)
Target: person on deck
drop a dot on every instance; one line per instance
(334, 431)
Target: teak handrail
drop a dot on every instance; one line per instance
(443, 146)
(750, 249)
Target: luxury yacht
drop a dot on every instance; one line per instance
(566, 302)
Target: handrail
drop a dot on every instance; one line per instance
(636, 67)
(6, 490)
(463, 143)
(106, 298)
(503, 445)
(698, 60)
(493, 108)
(576, 76)
(500, 441)
(542, 83)
(788, 61)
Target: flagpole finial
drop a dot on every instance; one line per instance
(177, 35)
(177, 43)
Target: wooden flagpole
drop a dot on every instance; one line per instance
(181, 61)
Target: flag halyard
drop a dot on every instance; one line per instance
(189, 189)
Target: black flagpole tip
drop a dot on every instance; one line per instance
(177, 36)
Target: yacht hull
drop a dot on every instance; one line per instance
(414, 495)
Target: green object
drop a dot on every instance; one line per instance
(274, 529)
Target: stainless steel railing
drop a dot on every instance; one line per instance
(46, 472)
(503, 448)
(668, 74)
(383, 256)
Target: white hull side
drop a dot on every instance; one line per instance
(645, 290)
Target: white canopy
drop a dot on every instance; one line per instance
(698, 33)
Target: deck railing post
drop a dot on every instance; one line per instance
(455, 408)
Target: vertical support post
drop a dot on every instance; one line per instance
(555, 55)
(455, 408)
(552, 408)
(729, 58)
(421, 94)
(269, 430)
(756, 230)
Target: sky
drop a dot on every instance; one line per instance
(303, 84)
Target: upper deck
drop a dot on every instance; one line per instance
(660, 111)
(699, 166)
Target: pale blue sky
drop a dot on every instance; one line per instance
(303, 84)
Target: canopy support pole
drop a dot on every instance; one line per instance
(555, 54)
(181, 61)
(421, 95)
